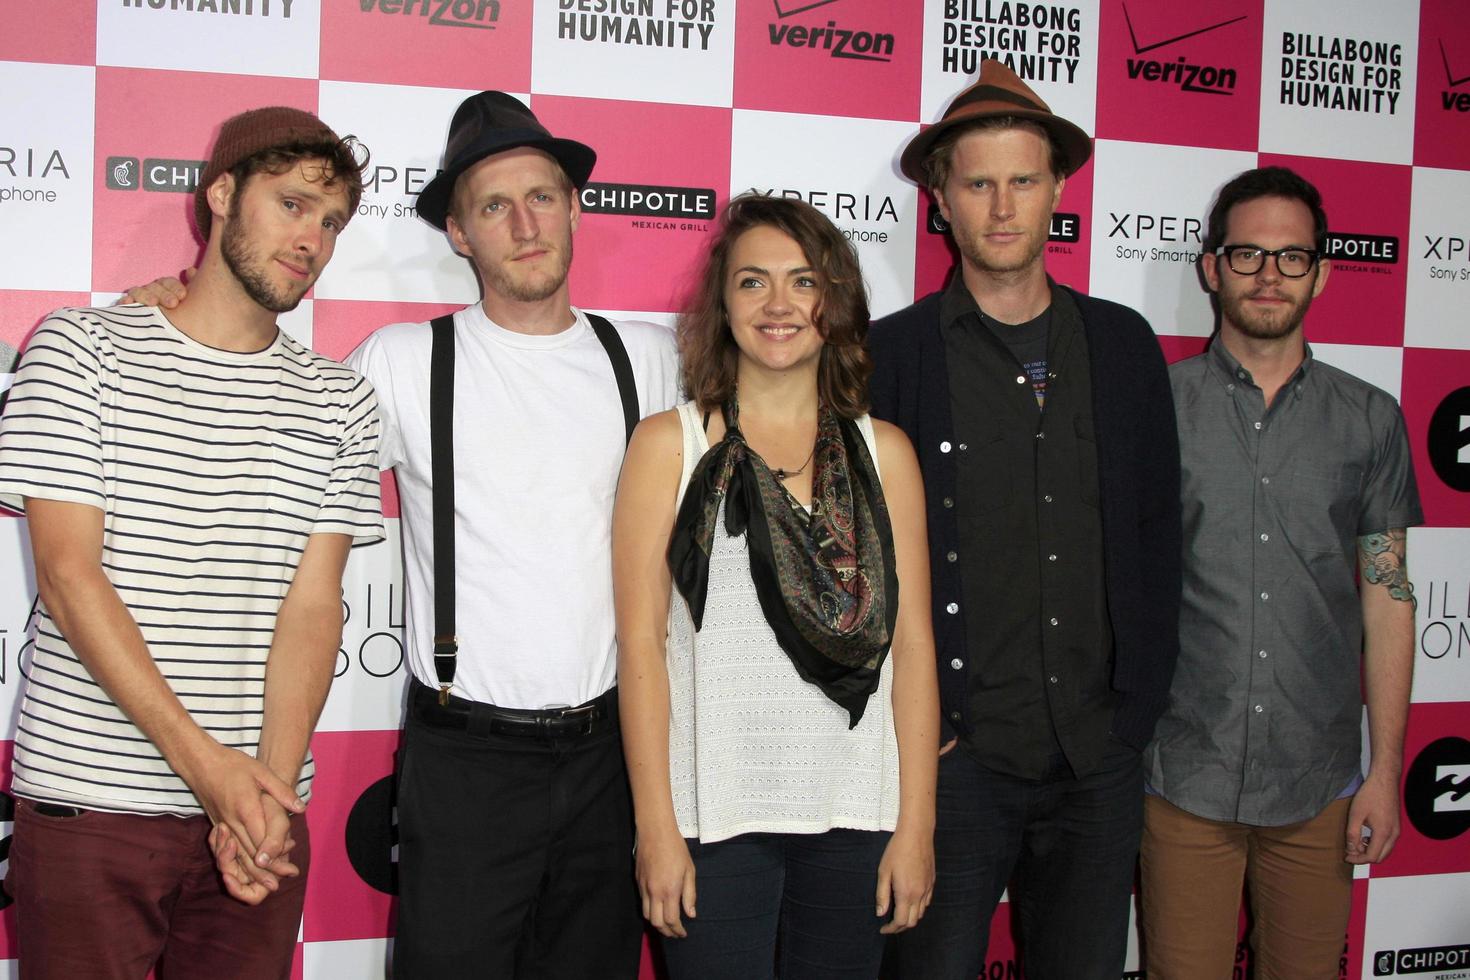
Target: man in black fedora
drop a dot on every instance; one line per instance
(505, 426)
(1044, 425)
(515, 825)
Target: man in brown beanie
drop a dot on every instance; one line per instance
(1044, 425)
(192, 482)
(515, 827)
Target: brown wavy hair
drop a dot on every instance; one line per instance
(342, 162)
(707, 350)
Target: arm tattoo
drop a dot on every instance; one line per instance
(1382, 558)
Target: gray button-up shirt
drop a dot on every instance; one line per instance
(1264, 719)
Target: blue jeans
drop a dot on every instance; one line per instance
(1068, 846)
(815, 891)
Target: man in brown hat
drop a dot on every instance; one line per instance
(514, 820)
(192, 482)
(1045, 429)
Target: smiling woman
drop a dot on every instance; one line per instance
(761, 627)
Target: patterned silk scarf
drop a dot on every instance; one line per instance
(826, 581)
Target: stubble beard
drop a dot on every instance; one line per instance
(1261, 325)
(532, 288)
(245, 265)
(972, 247)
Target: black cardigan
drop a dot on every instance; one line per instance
(1138, 481)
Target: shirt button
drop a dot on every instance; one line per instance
(1265, 538)
(1258, 425)
(1266, 480)
(1053, 620)
(954, 716)
(952, 608)
(1265, 597)
(1230, 387)
(944, 446)
(963, 447)
(956, 663)
(948, 502)
(1041, 435)
(1020, 379)
(1053, 678)
(1259, 709)
(952, 556)
(1261, 654)
(1051, 557)
(1046, 497)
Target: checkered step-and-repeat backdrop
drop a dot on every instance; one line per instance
(108, 106)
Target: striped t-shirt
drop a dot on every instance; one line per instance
(212, 468)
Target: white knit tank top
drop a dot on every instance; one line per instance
(752, 746)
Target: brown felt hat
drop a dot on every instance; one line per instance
(247, 134)
(997, 92)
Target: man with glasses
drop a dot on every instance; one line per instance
(1297, 488)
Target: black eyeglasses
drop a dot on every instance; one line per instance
(1246, 260)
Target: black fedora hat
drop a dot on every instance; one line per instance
(493, 122)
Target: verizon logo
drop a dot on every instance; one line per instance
(481, 14)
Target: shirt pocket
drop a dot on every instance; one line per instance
(985, 471)
(300, 472)
(1321, 510)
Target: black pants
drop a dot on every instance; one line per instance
(515, 857)
(1071, 845)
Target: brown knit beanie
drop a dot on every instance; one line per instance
(247, 134)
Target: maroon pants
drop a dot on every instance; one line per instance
(112, 895)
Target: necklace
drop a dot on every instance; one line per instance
(783, 475)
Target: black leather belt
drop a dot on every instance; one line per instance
(478, 718)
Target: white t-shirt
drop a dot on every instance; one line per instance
(538, 442)
(212, 469)
(754, 748)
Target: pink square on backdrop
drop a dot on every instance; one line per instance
(1363, 301)
(354, 773)
(1179, 348)
(388, 490)
(670, 165)
(1066, 254)
(468, 44)
(935, 254)
(1435, 378)
(57, 31)
(1186, 73)
(1002, 958)
(158, 124)
(830, 57)
(22, 310)
(646, 969)
(1436, 732)
(1442, 116)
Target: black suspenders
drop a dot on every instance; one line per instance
(441, 445)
